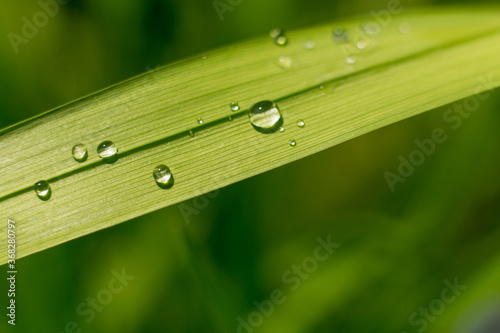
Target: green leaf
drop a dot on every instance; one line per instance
(446, 56)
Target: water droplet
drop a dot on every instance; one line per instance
(285, 62)
(405, 27)
(278, 36)
(361, 44)
(370, 27)
(281, 129)
(43, 190)
(309, 44)
(301, 123)
(265, 117)
(234, 106)
(204, 57)
(200, 121)
(350, 59)
(340, 35)
(163, 176)
(321, 87)
(107, 150)
(292, 142)
(80, 153)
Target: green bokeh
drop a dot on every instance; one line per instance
(200, 273)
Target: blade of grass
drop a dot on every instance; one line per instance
(149, 117)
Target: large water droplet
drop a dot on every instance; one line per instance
(163, 176)
(278, 36)
(107, 150)
(340, 35)
(265, 117)
(234, 106)
(285, 62)
(301, 123)
(80, 152)
(43, 190)
(292, 142)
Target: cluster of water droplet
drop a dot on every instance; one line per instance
(265, 116)
(278, 36)
(106, 150)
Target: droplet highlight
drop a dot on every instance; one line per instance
(163, 177)
(309, 44)
(361, 45)
(108, 151)
(80, 153)
(285, 62)
(278, 37)
(340, 35)
(234, 106)
(43, 190)
(265, 117)
(292, 142)
(281, 129)
(370, 27)
(350, 59)
(405, 27)
(200, 121)
(301, 123)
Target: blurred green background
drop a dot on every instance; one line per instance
(213, 269)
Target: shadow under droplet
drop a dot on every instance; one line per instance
(167, 185)
(111, 159)
(273, 129)
(45, 197)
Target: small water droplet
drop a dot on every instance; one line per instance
(278, 36)
(281, 129)
(405, 27)
(265, 117)
(200, 121)
(285, 62)
(43, 190)
(107, 150)
(361, 44)
(301, 123)
(340, 35)
(350, 59)
(80, 152)
(163, 176)
(321, 87)
(309, 44)
(234, 106)
(370, 27)
(292, 142)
